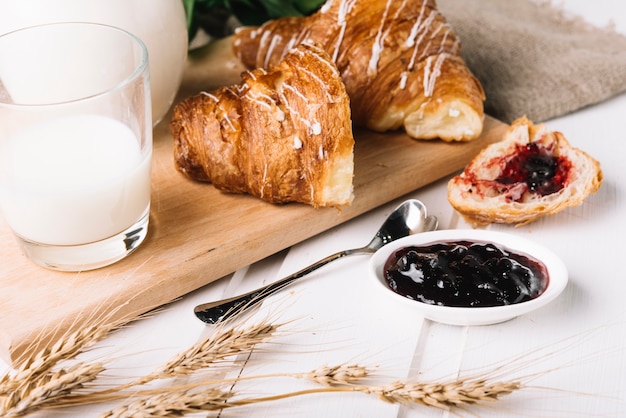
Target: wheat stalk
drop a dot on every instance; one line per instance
(227, 342)
(39, 380)
(47, 389)
(179, 395)
(344, 374)
(460, 392)
(172, 404)
(335, 379)
(66, 347)
(457, 393)
(224, 343)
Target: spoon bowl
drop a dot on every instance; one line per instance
(409, 218)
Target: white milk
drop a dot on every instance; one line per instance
(74, 180)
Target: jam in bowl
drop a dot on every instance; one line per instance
(469, 277)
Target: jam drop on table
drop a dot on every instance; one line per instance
(465, 274)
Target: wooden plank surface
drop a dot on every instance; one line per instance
(198, 234)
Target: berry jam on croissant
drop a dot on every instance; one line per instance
(537, 167)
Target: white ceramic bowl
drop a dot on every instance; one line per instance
(557, 274)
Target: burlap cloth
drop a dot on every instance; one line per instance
(533, 60)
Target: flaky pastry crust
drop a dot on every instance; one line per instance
(283, 135)
(482, 197)
(400, 62)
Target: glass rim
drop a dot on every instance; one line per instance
(142, 67)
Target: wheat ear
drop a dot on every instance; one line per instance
(338, 379)
(44, 361)
(458, 393)
(442, 395)
(225, 342)
(47, 389)
(172, 404)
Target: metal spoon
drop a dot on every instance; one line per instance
(408, 218)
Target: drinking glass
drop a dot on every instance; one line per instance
(75, 143)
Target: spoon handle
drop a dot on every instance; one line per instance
(220, 310)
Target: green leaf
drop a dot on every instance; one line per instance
(280, 8)
(188, 5)
(308, 6)
(209, 14)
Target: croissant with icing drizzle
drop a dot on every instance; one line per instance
(283, 135)
(399, 59)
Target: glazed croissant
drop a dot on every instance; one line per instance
(400, 62)
(283, 135)
(530, 173)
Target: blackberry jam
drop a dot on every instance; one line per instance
(535, 165)
(465, 274)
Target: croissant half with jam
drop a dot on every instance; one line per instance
(283, 135)
(400, 61)
(530, 173)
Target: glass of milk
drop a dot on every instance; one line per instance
(75, 143)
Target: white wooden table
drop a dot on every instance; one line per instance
(575, 348)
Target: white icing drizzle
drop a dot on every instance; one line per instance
(419, 28)
(410, 41)
(297, 142)
(403, 77)
(312, 126)
(223, 116)
(377, 45)
(263, 181)
(321, 82)
(415, 39)
(276, 40)
(230, 122)
(212, 96)
(329, 65)
(423, 29)
(445, 36)
(345, 6)
(251, 75)
(321, 153)
(295, 91)
(291, 44)
(259, 99)
(431, 75)
(262, 42)
(326, 6)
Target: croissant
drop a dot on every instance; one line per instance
(283, 135)
(531, 173)
(400, 62)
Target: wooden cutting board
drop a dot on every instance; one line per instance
(198, 234)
